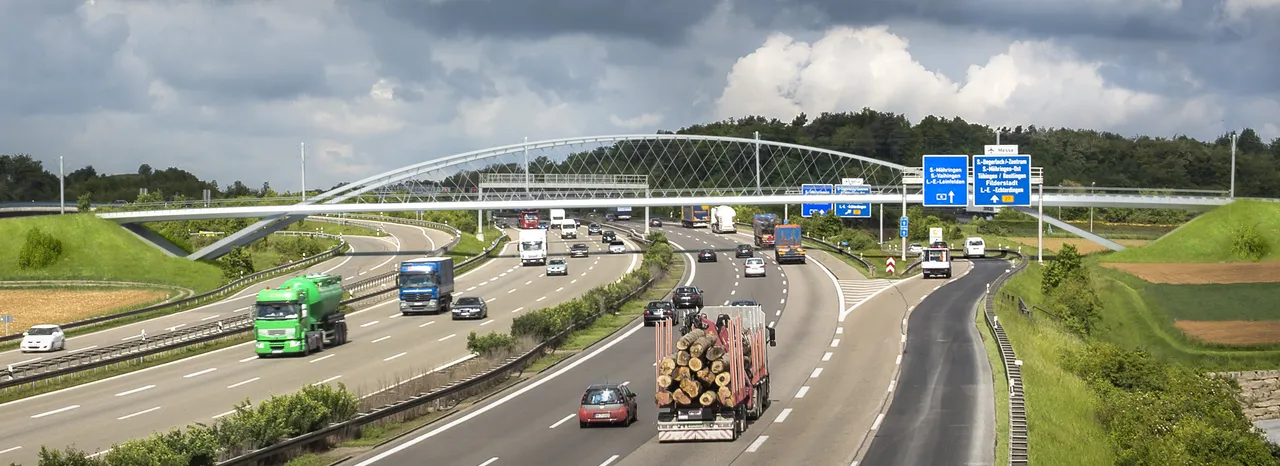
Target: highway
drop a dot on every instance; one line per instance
(384, 347)
(801, 302)
(370, 256)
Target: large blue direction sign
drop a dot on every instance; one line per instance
(1001, 180)
(903, 223)
(946, 180)
(809, 210)
(853, 209)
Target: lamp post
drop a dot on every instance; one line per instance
(302, 151)
(62, 189)
(1092, 184)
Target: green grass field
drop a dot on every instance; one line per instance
(96, 249)
(333, 228)
(1243, 301)
(1208, 237)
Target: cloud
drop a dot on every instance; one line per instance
(1031, 82)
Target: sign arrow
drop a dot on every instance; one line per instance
(951, 196)
(995, 199)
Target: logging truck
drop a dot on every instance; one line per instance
(715, 376)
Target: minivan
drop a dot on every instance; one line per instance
(974, 247)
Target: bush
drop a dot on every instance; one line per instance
(1247, 244)
(40, 250)
(235, 264)
(85, 202)
(1068, 263)
(489, 344)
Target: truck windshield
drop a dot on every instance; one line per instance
(531, 246)
(419, 280)
(276, 311)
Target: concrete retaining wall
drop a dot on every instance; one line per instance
(1259, 393)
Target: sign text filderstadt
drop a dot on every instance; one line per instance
(1004, 174)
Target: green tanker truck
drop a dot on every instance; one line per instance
(300, 316)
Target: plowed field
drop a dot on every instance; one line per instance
(1199, 274)
(1083, 245)
(54, 306)
(1232, 332)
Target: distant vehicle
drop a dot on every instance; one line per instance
(743, 251)
(557, 267)
(762, 227)
(299, 316)
(593, 229)
(936, 262)
(533, 247)
(608, 404)
(470, 307)
(426, 285)
(655, 223)
(707, 255)
(939, 244)
(744, 302)
(754, 267)
(556, 216)
(787, 244)
(975, 247)
(578, 250)
(617, 247)
(685, 297)
(608, 236)
(659, 310)
(544, 225)
(529, 219)
(695, 216)
(567, 230)
(722, 219)
(914, 249)
(610, 217)
(43, 338)
(622, 213)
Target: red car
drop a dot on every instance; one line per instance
(613, 404)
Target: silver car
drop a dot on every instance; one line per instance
(557, 267)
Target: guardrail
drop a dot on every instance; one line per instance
(1018, 440)
(454, 391)
(176, 340)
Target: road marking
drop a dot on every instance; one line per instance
(451, 335)
(503, 274)
(891, 384)
(215, 316)
(472, 288)
(573, 281)
(175, 327)
(369, 323)
(87, 348)
(380, 339)
(835, 343)
(776, 313)
(392, 316)
(136, 390)
(200, 373)
(782, 417)
(27, 361)
(402, 353)
(9, 450)
(784, 291)
(591, 268)
(899, 361)
(936, 287)
(904, 322)
(816, 372)
(487, 322)
(771, 324)
(56, 411)
(826, 357)
(784, 301)
(562, 421)
(756, 444)
(879, 419)
(542, 298)
(610, 460)
(784, 283)
(735, 283)
(250, 358)
(228, 413)
(490, 300)
(132, 337)
(583, 274)
(518, 309)
(237, 384)
(904, 338)
(330, 379)
(321, 358)
(559, 289)
(139, 413)
(803, 390)
(513, 290)
(912, 308)
(531, 281)
(839, 330)
(733, 292)
(489, 462)
(482, 283)
(426, 324)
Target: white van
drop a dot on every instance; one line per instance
(974, 247)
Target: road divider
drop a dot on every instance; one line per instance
(1018, 443)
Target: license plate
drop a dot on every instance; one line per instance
(276, 351)
(602, 415)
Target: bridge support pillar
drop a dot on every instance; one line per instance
(1040, 228)
(646, 221)
(480, 225)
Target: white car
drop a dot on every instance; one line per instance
(754, 267)
(617, 247)
(914, 249)
(43, 338)
(975, 247)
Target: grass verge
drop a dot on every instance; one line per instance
(1208, 237)
(1000, 381)
(334, 228)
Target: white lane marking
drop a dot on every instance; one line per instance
(250, 358)
(826, 357)
(531, 281)
(899, 360)
(490, 300)
(835, 343)
(609, 461)
(487, 322)
(573, 281)
(494, 405)
(559, 289)
(584, 274)
(451, 335)
(9, 450)
(483, 283)
(321, 358)
(782, 417)
(402, 353)
(541, 275)
(200, 373)
(136, 390)
(489, 462)
(27, 361)
(87, 348)
(366, 324)
(784, 283)
(228, 413)
(542, 298)
(879, 419)
(784, 301)
(56, 411)
(733, 292)
(735, 283)
(513, 290)
(380, 339)
(139, 413)
(392, 316)
(776, 313)
(215, 316)
(472, 288)
(816, 372)
(503, 274)
(891, 384)
(784, 291)
(175, 327)
(132, 337)
(237, 384)
(566, 419)
(518, 309)
(803, 390)
(426, 324)
(330, 379)
(904, 338)
(756, 444)
(839, 330)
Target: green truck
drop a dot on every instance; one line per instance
(300, 316)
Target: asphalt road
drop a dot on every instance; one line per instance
(943, 411)
(384, 347)
(371, 256)
(546, 406)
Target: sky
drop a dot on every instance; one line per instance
(228, 89)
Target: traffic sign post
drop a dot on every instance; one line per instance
(7, 319)
(1002, 180)
(853, 209)
(903, 224)
(946, 180)
(888, 265)
(808, 210)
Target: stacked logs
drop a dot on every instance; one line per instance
(698, 374)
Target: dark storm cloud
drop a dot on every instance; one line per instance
(658, 21)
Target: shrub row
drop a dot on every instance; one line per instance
(39, 250)
(250, 428)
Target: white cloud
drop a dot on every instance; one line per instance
(644, 120)
(1237, 9)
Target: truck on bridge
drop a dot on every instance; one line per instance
(788, 246)
(722, 219)
(426, 285)
(695, 216)
(715, 377)
(533, 247)
(300, 316)
(762, 226)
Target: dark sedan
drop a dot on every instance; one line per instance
(707, 255)
(578, 250)
(608, 236)
(469, 307)
(743, 251)
(594, 229)
(687, 297)
(657, 311)
(744, 302)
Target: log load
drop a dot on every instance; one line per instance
(697, 375)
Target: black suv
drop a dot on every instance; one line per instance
(707, 255)
(578, 250)
(608, 236)
(593, 229)
(743, 251)
(686, 297)
(659, 310)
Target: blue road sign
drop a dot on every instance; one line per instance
(853, 209)
(1001, 180)
(904, 221)
(809, 210)
(946, 180)
(902, 233)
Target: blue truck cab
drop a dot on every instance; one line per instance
(426, 285)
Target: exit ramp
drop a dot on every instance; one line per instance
(1114, 246)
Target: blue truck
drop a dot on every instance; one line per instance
(787, 244)
(426, 285)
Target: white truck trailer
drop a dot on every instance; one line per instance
(722, 218)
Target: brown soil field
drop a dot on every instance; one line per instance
(1200, 274)
(1232, 332)
(53, 306)
(1083, 245)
